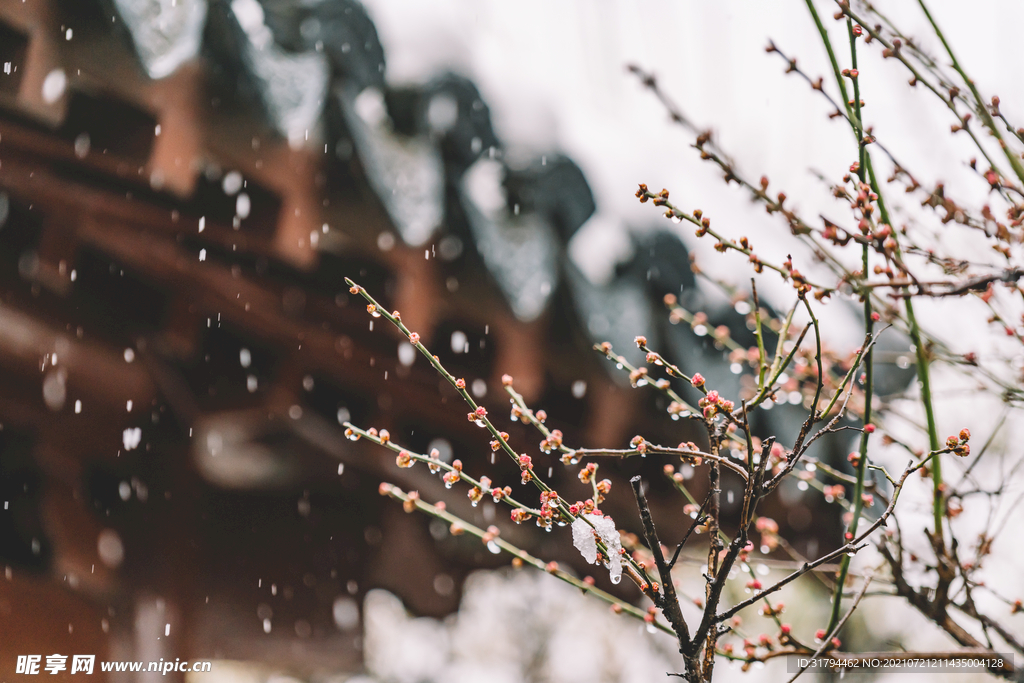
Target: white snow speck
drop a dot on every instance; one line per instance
(131, 438)
(460, 342)
(82, 145)
(54, 85)
(406, 354)
(232, 183)
(243, 205)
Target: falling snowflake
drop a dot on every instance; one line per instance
(131, 438)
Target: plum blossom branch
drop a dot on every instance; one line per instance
(413, 502)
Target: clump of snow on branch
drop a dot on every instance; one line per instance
(584, 537)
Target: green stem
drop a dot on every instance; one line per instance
(858, 489)
(817, 359)
(762, 356)
(923, 375)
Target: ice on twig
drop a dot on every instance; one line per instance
(583, 537)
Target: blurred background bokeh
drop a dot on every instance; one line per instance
(184, 185)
